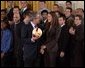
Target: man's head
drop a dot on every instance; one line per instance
(10, 4)
(77, 20)
(27, 18)
(56, 7)
(3, 14)
(16, 17)
(44, 14)
(69, 4)
(23, 4)
(16, 9)
(61, 20)
(79, 11)
(35, 18)
(42, 4)
(4, 24)
(68, 12)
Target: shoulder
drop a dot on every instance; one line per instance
(8, 32)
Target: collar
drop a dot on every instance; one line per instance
(62, 25)
(24, 9)
(18, 22)
(45, 21)
(33, 25)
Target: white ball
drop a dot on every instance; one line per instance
(37, 32)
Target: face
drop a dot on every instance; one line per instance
(77, 21)
(42, 5)
(23, 4)
(37, 19)
(68, 5)
(49, 18)
(67, 13)
(61, 21)
(55, 8)
(15, 10)
(79, 12)
(44, 15)
(10, 3)
(3, 25)
(16, 18)
(27, 19)
(57, 13)
(3, 14)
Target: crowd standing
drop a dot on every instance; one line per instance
(61, 43)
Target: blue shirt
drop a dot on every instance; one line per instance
(6, 40)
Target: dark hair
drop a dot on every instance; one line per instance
(63, 16)
(56, 5)
(60, 14)
(69, 2)
(54, 19)
(44, 11)
(69, 9)
(80, 17)
(27, 14)
(16, 7)
(7, 23)
(3, 10)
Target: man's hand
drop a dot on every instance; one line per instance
(72, 31)
(62, 54)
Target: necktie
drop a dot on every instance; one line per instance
(21, 11)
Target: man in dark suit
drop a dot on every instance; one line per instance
(77, 48)
(30, 43)
(42, 25)
(24, 8)
(10, 10)
(16, 29)
(63, 52)
(44, 14)
(69, 17)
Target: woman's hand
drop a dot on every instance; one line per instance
(62, 54)
(42, 49)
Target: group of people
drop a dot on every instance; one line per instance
(61, 43)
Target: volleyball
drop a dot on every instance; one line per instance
(37, 32)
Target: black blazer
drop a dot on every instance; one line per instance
(29, 47)
(10, 15)
(17, 38)
(52, 39)
(63, 39)
(23, 13)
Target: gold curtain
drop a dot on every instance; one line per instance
(34, 4)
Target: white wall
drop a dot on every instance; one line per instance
(75, 4)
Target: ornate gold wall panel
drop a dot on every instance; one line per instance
(34, 4)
